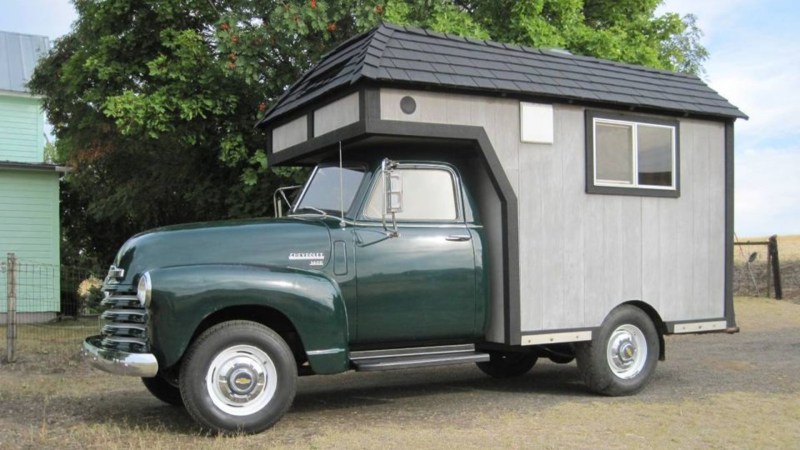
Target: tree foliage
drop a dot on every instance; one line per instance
(153, 102)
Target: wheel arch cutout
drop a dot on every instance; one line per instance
(659, 324)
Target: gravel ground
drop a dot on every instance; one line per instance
(714, 391)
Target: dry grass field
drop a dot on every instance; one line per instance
(714, 391)
(789, 248)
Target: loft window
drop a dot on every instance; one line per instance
(631, 155)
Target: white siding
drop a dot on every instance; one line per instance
(336, 114)
(289, 134)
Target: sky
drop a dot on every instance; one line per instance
(754, 62)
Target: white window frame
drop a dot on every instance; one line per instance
(600, 186)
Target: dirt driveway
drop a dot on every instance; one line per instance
(718, 391)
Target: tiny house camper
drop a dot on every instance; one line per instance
(599, 183)
(472, 202)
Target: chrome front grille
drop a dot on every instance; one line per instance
(120, 301)
(123, 326)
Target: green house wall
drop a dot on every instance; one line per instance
(21, 129)
(29, 228)
(29, 219)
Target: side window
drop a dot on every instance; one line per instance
(428, 194)
(631, 155)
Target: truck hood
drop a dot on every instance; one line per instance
(281, 242)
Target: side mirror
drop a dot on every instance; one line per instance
(392, 196)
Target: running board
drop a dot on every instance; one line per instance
(405, 358)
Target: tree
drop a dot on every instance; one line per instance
(153, 102)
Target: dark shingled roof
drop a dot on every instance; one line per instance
(395, 54)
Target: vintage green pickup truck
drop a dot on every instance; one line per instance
(224, 316)
(454, 214)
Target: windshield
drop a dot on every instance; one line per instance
(322, 191)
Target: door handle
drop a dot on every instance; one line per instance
(458, 237)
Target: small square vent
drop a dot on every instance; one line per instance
(536, 123)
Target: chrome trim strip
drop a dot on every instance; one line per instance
(117, 362)
(412, 351)
(107, 328)
(700, 327)
(407, 362)
(114, 300)
(556, 338)
(329, 351)
(113, 314)
(413, 225)
(123, 340)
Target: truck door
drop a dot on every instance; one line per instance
(420, 285)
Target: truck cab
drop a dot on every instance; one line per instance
(379, 265)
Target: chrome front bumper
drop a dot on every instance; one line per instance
(118, 362)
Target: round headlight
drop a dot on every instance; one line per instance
(144, 290)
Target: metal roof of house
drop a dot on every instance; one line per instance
(19, 54)
(413, 56)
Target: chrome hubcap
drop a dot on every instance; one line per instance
(627, 351)
(241, 380)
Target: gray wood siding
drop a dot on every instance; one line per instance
(580, 254)
(336, 114)
(289, 134)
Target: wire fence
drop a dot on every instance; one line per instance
(46, 310)
(758, 270)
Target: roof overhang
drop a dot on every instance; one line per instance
(20, 94)
(39, 167)
(423, 59)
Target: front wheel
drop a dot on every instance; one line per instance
(623, 355)
(238, 376)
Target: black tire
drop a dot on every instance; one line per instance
(613, 363)
(508, 364)
(248, 360)
(163, 390)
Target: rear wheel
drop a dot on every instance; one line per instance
(622, 356)
(163, 390)
(238, 376)
(508, 364)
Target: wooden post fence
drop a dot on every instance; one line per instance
(774, 264)
(11, 310)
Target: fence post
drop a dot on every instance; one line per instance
(11, 310)
(776, 266)
(769, 270)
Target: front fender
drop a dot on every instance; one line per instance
(183, 296)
